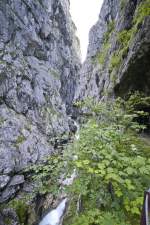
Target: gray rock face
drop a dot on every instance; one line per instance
(115, 67)
(10, 215)
(4, 179)
(39, 63)
(18, 179)
(11, 188)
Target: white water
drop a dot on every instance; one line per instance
(77, 135)
(55, 216)
(146, 210)
(69, 181)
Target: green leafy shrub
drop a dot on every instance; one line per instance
(138, 101)
(112, 164)
(21, 209)
(46, 174)
(96, 217)
(141, 104)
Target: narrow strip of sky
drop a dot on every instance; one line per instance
(84, 14)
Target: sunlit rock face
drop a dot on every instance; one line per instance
(119, 52)
(39, 63)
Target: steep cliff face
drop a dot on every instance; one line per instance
(119, 51)
(39, 78)
(39, 63)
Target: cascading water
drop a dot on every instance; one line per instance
(77, 135)
(55, 217)
(69, 181)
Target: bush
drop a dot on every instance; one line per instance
(97, 217)
(112, 164)
(21, 209)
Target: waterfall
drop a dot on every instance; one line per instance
(146, 210)
(69, 181)
(77, 135)
(55, 216)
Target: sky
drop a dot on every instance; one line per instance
(84, 14)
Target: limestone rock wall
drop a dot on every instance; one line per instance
(39, 63)
(119, 51)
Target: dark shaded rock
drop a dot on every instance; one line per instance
(134, 75)
(12, 187)
(8, 193)
(72, 126)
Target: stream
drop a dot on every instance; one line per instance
(55, 216)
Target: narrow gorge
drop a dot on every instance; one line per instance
(95, 175)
